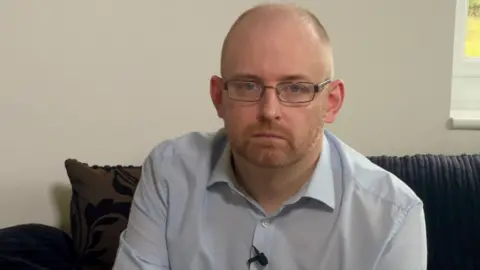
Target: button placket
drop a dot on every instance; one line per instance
(263, 239)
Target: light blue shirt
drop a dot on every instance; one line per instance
(187, 214)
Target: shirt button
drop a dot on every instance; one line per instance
(265, 223)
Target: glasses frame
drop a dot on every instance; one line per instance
(317, 87)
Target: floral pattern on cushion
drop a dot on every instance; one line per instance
(100, 206)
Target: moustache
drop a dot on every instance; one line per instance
(272, 129)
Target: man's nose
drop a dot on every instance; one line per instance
(269, 104)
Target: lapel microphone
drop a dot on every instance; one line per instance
(259, 258)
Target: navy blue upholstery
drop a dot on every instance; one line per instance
(450, 189)
(35, 247)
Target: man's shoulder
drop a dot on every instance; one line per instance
(373, 181)
(188, 149)
(192, 141)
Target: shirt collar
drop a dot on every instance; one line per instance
(222, 170)
(320, 187)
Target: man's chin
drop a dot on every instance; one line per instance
(268, 158)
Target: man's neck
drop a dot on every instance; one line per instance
(271, 187)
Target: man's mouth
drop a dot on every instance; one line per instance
(268, 135)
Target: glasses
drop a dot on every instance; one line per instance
(288, 92)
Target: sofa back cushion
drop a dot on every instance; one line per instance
(448, 185)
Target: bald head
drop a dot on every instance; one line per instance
(273, 16)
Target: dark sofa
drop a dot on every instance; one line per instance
(101, 196)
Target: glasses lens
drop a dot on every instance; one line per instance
(296, 92)
(244, 91)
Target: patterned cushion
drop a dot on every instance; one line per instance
(100, 206)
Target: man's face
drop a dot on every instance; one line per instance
(269, 132)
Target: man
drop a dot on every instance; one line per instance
(273, 189)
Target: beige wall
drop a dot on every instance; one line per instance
(104, 81)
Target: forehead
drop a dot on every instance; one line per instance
(274, 50)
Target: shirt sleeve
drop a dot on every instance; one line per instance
(142, 245)
(408, 248)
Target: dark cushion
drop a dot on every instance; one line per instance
(450, 189)
(100, 206)
(35, 247)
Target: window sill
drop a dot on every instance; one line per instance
(463, 119)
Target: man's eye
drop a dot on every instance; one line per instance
(248, 86)
(297, 88)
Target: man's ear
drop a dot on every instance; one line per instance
(216, 94)
(336, 94)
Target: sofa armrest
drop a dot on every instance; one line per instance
(36, 246)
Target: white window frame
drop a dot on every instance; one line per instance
(465, 97)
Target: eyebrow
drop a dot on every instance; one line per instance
(248, 76)
(245, 76)
(295, 77)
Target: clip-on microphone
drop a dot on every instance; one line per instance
(259, 257)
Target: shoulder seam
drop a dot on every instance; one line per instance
(401, 220)
(405, 208)
(355, 181)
